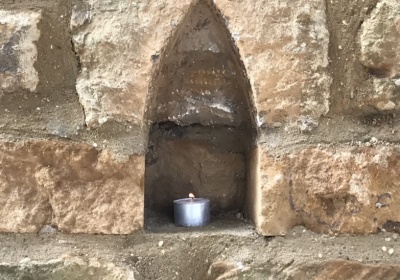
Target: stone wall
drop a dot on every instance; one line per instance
(75, 78)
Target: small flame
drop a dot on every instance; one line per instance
(191, 196)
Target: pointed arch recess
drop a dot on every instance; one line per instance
(201, 114)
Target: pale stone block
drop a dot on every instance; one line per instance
(380, 52)
(284, 47)
(18, 52)
(115, 42)
(380, 39)
(72, 186)
(268, 197)
(24, 205)
(341, 189)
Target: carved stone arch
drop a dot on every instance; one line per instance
(201, 114)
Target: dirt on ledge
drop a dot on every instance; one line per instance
(227, 248)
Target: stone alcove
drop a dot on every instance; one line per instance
(201, 117)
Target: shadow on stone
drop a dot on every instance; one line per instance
(202, 117)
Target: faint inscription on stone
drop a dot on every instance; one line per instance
(208, 79)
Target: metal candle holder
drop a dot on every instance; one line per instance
(192, 212)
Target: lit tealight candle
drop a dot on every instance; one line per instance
(192, 211)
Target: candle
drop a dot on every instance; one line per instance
(192, 212)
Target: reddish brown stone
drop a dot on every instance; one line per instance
(25, 206)
(329, 189)
(70, 185)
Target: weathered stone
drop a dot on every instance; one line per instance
(25, 207)
(284, 47)
(66, 267)
(268, 201)
(80, 15)
(341, 269)
(343, 189)
(380, 48)
(18, 53)
(385, 97)
(179, 167)
(70, 185)
(380, 43)
(320, 270)
(115, 49)
(286, 59)
(223, 270)
(200, 79)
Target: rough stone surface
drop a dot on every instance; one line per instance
(200, 78)
(206, 253)
(18, 53)
(385, 97)
(341, 269)
(115, 86)
(179, 167)
(270, 209)
(69, 185)
(284, 47)
(285, 59)
(223, 270)
(329, 189)
(116, 49)
(380, 48)
(25, 207)
(333, 269)
(66, 267)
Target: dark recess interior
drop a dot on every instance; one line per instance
(202, 118)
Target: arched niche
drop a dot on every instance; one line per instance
(201, 115)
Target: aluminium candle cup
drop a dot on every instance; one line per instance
(191, 212)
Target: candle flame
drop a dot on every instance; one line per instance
(191, 195)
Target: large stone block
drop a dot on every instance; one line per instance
(268, 198)
(117, 43)
(284, 47)
(70, 185)
(344, 189)
(380, 52)
(380, 38)
(18, 53)
(24, 205)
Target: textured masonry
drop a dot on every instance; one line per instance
(324, 85)
(18, 53)
(70, 185)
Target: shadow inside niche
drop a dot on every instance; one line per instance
(202, 120)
